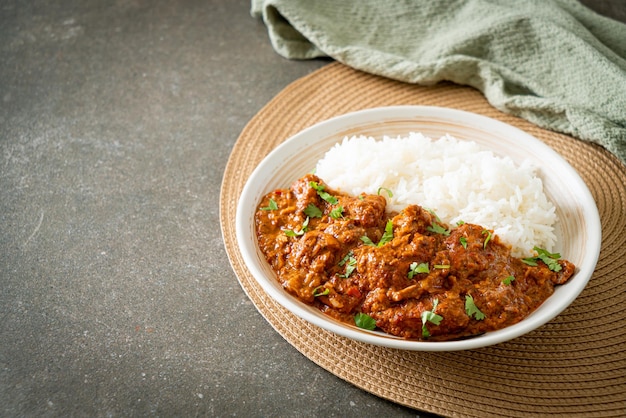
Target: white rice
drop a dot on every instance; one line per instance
(457, 179)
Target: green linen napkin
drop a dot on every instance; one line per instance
(555, 63)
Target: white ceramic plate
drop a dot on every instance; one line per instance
(578, 231)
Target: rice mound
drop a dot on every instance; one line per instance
(457, 179)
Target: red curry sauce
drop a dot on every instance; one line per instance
(425, 280)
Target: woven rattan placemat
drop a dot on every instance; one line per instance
(573, 366)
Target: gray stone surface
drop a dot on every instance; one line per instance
(116, 294)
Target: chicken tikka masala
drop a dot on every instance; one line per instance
(408, 274)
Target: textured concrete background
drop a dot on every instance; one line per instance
(116, 295)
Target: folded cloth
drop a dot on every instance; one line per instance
(555, 63)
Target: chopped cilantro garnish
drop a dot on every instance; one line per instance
(313, 211)
(438, 229)
(507, 281)
(463, 242)
(324, 195)
(416, 268)
(389, 193)
(303, 229)
(345, 258)
(319, 292)
(459, 223)
(432, 212)
(472, 310)
(364, 321)
(387, 236)
(488, 233)
(350, 267)
(350, 262)
(367, 241)
(550, 259)
(432, 317)
(271, 206)
(337, 212)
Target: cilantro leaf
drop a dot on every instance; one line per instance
(313, 211)
(350, 267)
(416, 268)
(364, 321)
(488, 233)
(545, 253)
(438, 229)
(432, 317)
(463, 242)
(345, 258)
(321, 193)
(367, 241)
(550, 259)
(319, 292)
(303, 229)
(271, 206)
(387, 236)
(531, 261)
(350, 262)
(472, 309)
(507, 281)
(432, 212)
(389, 193)
(337, 212)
